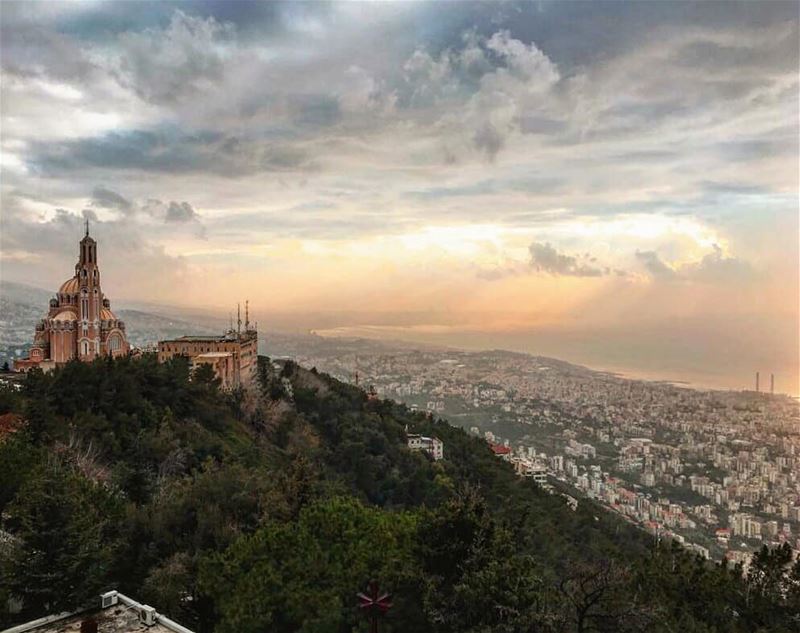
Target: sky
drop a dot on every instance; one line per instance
(608, 183)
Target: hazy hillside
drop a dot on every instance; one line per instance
(268, 513)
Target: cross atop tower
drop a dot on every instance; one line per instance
(88, 249)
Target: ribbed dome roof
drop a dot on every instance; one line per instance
(70, 286)
(66, 315)
(107, 315)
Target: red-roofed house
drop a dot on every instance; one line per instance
(503, 452)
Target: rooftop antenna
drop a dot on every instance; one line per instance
(87, 227)
(247, 315)
(230, 319)
(238, 318)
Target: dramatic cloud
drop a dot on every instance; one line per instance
(547, 259)
(168, 152)
(180, 212)
(181, 61)
(107, 199)
(130, 258)
(653, 264)
(464, 155)
(713, 267)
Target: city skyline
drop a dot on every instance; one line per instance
(610, 184)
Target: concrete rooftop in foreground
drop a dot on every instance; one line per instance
(122, 615)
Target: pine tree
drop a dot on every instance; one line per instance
(66, 542)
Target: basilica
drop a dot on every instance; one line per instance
(80, 324)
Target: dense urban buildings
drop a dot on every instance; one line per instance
(718, 471)
(79, 324)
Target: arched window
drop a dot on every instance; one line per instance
(114, 343)
(85, 348)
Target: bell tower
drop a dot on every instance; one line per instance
(91, 298)
(79, 323)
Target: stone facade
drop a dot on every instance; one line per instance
(79, 324)
(233, 356)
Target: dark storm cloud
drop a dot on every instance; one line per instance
(545, 258)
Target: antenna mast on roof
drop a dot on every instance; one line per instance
(87, 227)
(247, 315)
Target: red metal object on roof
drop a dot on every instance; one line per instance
(374, 603)
(499, 449)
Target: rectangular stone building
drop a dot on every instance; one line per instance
(233, 356)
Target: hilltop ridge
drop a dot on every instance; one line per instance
(245, 514)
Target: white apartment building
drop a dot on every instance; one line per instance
(433, 446)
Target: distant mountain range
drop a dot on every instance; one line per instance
(22, 305)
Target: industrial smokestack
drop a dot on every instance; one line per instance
(772, 384)
(757, 377)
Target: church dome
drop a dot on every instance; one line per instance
(70, 286)
(107, 315)
(66, 315)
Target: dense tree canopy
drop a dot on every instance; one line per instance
(242, 513)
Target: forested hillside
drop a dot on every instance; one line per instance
(268, 512)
